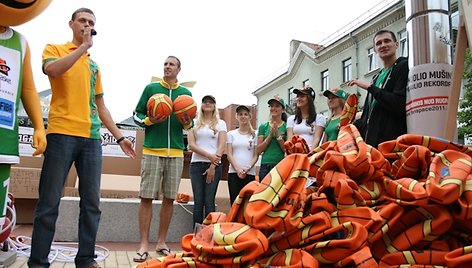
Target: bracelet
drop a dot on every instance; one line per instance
(120, 139)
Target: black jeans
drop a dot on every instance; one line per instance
(265, 169)
(235, 184)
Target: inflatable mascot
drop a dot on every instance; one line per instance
(16, 83)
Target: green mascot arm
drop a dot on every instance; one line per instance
(30, 99)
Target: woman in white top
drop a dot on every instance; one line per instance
(241, 152)
(207, 140)
(306, 123)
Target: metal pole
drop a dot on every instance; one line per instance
(430, 76)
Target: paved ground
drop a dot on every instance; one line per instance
(116, 259)
(120, 254)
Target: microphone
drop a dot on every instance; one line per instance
(93, 32)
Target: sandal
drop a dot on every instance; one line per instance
(163, 252)
(141, 257)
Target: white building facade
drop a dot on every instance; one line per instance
(338, 59)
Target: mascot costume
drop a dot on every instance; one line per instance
(16, 83)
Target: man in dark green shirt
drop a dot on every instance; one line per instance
(384, 117)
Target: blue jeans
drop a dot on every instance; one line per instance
(203, 193)
(61, 152)
(265, 169)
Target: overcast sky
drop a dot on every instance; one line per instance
(228, 47)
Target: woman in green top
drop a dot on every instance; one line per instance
(336, 98)
(271, 137)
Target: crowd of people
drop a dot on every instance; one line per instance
(209, 139)
(78, 111)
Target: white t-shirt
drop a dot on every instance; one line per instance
(243, 149)
(304, 130)
(207, 139)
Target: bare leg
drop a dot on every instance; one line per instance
(145, 216)
(167, 209)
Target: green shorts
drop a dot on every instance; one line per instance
(157, 171)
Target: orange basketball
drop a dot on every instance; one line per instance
(185, 105)
(159, 104)
(182, 198)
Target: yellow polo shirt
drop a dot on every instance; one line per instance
(73, 110)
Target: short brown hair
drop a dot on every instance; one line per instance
(394, 38)
(80, 10)
(177, 59)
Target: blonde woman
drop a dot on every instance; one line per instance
(241, 152)
(207, 141)
(335, 98)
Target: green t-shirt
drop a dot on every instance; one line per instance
(332, 129)
(273, 154)
(379, 82)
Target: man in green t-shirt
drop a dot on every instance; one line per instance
(384, 117)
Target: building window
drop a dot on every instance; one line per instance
(403, 43)
(292, 100)
(455, 28)
(347, 70)
(291, 96)
(306, 83)
(372, 60)
(324, 80)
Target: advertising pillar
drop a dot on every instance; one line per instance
(430, 75)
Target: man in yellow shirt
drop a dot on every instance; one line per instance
(76, 112)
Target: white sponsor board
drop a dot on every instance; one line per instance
(109, 145)
(25, 141)
(468, 140)
(427, 98)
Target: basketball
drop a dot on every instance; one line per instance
(185, 105)
(182, 198)
(159, 104)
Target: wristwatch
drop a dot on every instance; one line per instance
(279, 138)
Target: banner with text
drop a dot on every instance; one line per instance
(109, 145)
(427, 98)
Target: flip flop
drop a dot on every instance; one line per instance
(163, 252)
(141, 257)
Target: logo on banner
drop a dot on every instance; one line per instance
(25, 141)
(4, 68)
(109, 139)
(25, 138)
(109, 145)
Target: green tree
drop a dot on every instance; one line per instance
(464, 115)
